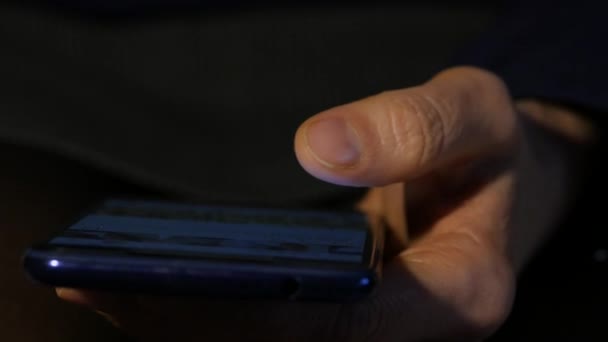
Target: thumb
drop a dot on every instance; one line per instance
(398, 135)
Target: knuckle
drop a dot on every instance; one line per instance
(482, 90)
(478, 285)
(486, 286)
(479, 81)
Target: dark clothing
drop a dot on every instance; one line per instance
(553, 50)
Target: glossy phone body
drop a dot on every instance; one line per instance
(182, 249)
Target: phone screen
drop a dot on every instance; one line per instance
(158, 228)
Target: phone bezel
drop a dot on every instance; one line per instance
(118, 270)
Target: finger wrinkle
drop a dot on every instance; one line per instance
(431, 129)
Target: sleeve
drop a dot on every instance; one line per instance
(554, 50)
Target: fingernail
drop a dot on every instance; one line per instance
(333, 142)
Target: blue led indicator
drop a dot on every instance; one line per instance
(364, 281)
(54, 263)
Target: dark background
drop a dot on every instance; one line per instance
(68, 75)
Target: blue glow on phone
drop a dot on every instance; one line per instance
(365, 281)
(54, 263)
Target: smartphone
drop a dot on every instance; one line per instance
(157, 247)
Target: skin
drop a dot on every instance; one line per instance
(486, 180)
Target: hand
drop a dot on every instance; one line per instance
(476, 190)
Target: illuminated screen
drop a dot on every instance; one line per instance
(227, 233)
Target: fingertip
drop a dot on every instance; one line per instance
(329, 148)
(333, 142)
(71, 295)
(345, 145)
(84, 297)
